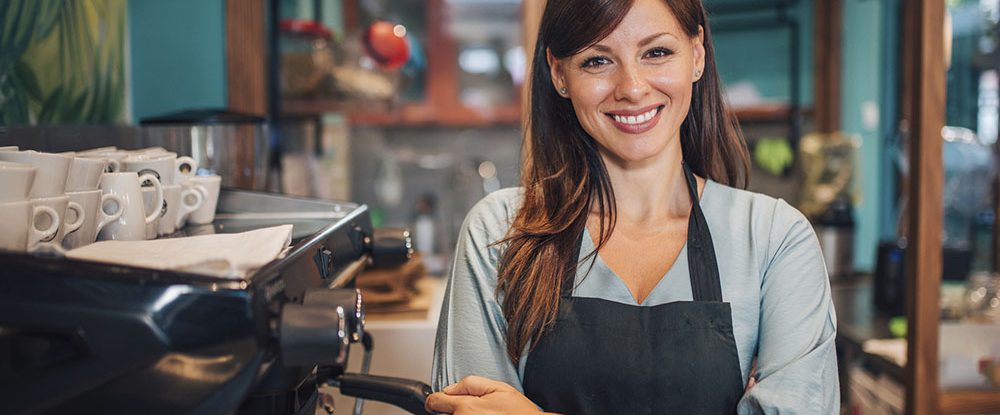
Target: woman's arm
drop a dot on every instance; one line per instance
(470, 337)
(796, 357)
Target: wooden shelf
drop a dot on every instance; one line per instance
(386, 114)
(970, 402)
(767, 112)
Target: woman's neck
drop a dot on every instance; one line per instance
(651, 191)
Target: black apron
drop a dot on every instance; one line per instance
(603, 357)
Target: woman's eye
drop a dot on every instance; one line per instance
(659, 53)
(595, 62)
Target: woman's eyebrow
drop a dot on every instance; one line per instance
(645, 41)
(649, 39)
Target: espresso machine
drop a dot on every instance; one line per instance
(79, 337)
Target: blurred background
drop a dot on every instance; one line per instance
(415, 108)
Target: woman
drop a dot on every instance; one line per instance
(626, 276)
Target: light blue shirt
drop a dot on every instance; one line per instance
(771, 270)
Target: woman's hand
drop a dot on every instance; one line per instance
(478, 395)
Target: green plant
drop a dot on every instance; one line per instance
(62, 61)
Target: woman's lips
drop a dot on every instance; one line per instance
(636, 122)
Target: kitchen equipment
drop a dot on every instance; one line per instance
(890, 273)
(230, 144)
(301, 144)
(86, 337)
(835, 230)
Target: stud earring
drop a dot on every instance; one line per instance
(562, 90)
(697, 73)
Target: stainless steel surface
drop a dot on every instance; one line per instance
(234, 146)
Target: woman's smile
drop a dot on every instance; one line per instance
(636, 121)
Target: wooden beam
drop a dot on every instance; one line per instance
(246, 56)
(827, 58)
(927, 105)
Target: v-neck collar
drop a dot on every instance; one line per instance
(615, 288)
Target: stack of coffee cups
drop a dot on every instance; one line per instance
(25, 223)
(83, 187)
(63, 201)
(47, 189)
(171, 171)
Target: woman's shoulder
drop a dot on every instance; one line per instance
(766, 216)
(492, 215)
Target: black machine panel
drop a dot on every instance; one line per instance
(86, 337)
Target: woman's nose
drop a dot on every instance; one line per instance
(631, 84)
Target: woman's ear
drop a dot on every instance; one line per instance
(698, 44)
(555, 71)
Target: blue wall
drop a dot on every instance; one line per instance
(861, 83)
(178, 55)
(762, 56)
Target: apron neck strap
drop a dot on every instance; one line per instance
(702, 265)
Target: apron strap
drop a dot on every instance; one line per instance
(570, 278)
(702, 265)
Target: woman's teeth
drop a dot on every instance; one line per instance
(636, 119)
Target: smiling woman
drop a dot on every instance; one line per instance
(685, 281)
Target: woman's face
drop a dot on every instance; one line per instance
(631, 90)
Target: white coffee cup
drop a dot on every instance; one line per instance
(149, 150)
(191, 201)
(209, 187)
(104, 149)
(50, 171)
(20, 225)
(113, 157)
(163, 166)
(85, 173)
(148, 198)
(9, 148)
(71, 215)
(96, 206)
(131, 225)
(15, 181)
(178, 202)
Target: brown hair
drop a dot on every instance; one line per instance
(563, 173)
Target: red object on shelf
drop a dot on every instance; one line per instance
(385, 42)
(308, 28)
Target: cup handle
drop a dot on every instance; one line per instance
(186, 172)
(114, 166)
(106, 218)
(186, 208)
(36, 235)
(71, 227)
(159, 196)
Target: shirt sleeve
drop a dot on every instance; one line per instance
(796, 356)
(470, 336)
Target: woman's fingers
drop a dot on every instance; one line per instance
(440, 402)
(475, 386)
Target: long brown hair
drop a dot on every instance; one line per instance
(564, 176)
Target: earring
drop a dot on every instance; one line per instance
(562, 90)
(697, 73)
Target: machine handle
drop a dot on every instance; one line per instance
(409, 395)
